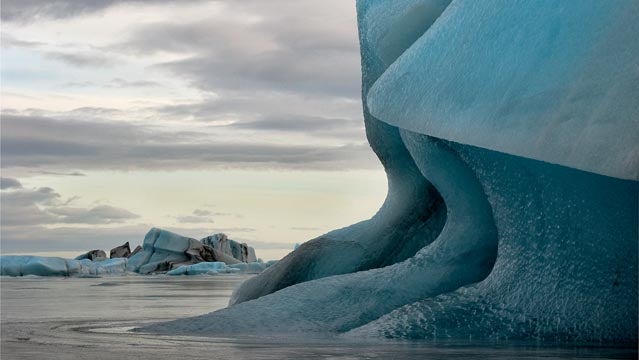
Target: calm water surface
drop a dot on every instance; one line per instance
(89, 318)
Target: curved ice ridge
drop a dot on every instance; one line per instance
(470, 242)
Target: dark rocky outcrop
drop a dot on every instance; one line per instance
(122, 251)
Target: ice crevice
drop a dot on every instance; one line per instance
(413, 214)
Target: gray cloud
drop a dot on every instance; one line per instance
(122, 83)
(116, 83)
(315, 125)
(81, 59)
(23, 208)
(283, 73)
(282, 52)
(193, 219)
(59, 173)
(102, 214)
(199, 216)
(202, 212)
(43, 206)
(39, 142)
(283, 69)
(9, 40)
(286, 113)
(288, 122)
(32, 10)
(9, 183)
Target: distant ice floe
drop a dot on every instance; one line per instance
(161, 252)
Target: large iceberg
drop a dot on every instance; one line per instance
(509, 133)
(163, 250)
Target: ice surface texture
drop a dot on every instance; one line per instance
(162, 251)
(556, 81)
(509, 133)
(218, 267)
(55, 266)
(23, 265)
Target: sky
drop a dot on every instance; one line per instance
(195, 116)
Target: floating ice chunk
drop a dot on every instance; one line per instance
(33, 265)
(219, 267)
(203, 268)
(55, 266)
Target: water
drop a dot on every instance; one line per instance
(89, 318)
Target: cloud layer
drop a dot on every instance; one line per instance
(29, 141)
(162, 85)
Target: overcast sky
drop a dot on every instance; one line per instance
(196, 116)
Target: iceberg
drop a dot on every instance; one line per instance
(163, 250)
(231, 248)
(160, 252)
(203, 268)
(509, 135)
(21, 265)
(219, 267)
(34, 265)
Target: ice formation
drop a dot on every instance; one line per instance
(207, 268)
(509, 131)
(21, 265)
(162, 251)
(218, 267)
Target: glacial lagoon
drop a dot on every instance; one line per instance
(91, 318)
